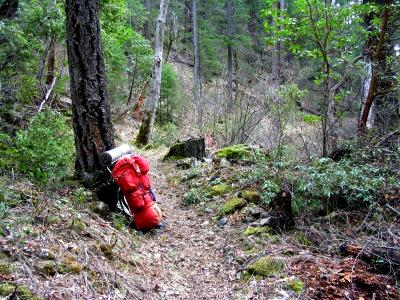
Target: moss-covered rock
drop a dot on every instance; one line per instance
(70, 265)
(5, 267)
(255, 230)
(232, 205)
(296, 285)
(47, 267)
(266, 266)
(251, 196)
(219, 189)
(240, 151)
(6, 289)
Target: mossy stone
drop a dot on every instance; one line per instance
(232, 205)
(235, 152)
(47, 267)
(5, 267)
(6, 289)
(219, 189)
(255, 230)
(296, 285)
(252, 196)
(266, 266)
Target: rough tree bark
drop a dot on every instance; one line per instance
(229, 82)
(91, 111)
(149, 112)
(196, 69)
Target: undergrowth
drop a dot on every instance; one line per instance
(43, 151)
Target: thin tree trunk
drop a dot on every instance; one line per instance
(149, 113)
(230, 56)
(147, 23)
(377, 58)
(196, 69)
(93, 129)
(51, 62)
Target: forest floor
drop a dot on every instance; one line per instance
(55, 245)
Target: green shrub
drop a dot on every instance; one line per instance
(326, 179)
(45, 150)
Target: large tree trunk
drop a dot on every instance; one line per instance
(378, 59)
(149, 113)
(229, 86)
(8, 9)
(196, 69)
(93, 130)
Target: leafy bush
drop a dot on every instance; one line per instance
(326, 179)
(45, 149)
(269, 190)
(194, 196)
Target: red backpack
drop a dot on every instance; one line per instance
(130, 173)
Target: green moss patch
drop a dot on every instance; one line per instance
(5, 267)
(252, 196)
(296, 285)
(219, 189)
(303, 239)
(70, 265)
(266, 266)
(240, 151)
(78, 224)
(6, 289)
(255, 230)
(24, 293)
(232, 205)
(107, 250)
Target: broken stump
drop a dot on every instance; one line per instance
(192, 147)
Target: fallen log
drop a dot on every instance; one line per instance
(383, 259)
